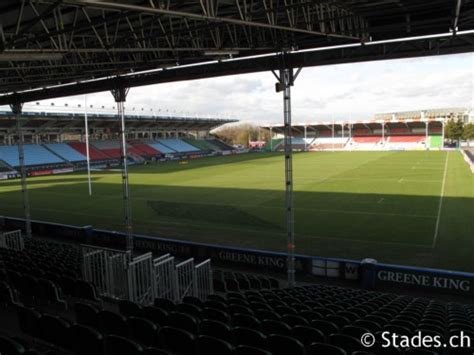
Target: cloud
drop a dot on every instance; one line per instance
(355, 90)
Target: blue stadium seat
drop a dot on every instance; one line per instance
(35, 154)
(66, 152)
(162, 148)
(179, 145)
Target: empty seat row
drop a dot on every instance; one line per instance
(35, 154)
(238, 281)
(178, 145)
(66, 152)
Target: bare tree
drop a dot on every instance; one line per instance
(242, 134)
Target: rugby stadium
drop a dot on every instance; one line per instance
(129, 231)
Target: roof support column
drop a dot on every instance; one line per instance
(17, 109)
(271, 138)
(349, 129)
(120, 95)
(286, 80)
(332, 129)
(426, 135)
(442, 133)
(305, 137)
(383, 133)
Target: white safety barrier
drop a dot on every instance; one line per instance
(203, 280)
(94, 269)
(12, 240)
(107, 270)
(140, 279)
(117, 275)
(185, 279)
(164, 277)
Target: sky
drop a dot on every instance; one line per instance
(345, 91)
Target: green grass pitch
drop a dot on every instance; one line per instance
(414, 208)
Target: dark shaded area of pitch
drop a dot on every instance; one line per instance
(210, 213)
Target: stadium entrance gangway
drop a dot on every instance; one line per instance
(141, 279)
(12, 240)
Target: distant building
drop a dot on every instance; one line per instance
(448, 113)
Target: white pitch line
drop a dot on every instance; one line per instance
(440, 206)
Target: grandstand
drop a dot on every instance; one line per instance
(73, 154)
(64, 140)
(69, 126)
(417, 130)
(102, 285)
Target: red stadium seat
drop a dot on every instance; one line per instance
(94, 154)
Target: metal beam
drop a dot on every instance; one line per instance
(461, 43)
(38, 18)
(457, 12)
(49, 51)
(286, 81)
(195, 16)
(120, 95)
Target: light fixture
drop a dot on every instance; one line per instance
(221, 52)
(28, 57)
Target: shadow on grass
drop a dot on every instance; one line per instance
(391, 228)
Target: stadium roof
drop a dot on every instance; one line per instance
(127, 43)
(72, 121)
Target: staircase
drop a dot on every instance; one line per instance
(4, 167)
(135, 157)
